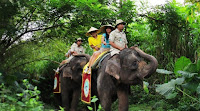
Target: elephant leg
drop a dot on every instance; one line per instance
(65, 94)
(75, 99)
(65, 101)
(122, 94)
(58, 99)
(105, 100)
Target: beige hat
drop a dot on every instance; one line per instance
(79, 39)
(102, 29)
(119, 22)
(91, 30)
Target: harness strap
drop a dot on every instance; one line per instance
(99, 64)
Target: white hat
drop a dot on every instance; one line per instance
(102, 29)
(79, 39)
(119, 22)
(91, 30)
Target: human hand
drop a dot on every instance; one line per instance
(96, 48)
(104, 43)
(121, 48)
(134, 47)
(66, 55)
(75, 53)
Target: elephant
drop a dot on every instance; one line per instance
(71, 79)
(118, 72)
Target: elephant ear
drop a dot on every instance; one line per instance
(67, 72)
(113, 67)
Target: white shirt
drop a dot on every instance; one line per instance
(79, 50)
(118, 38)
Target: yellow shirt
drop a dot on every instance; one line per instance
(95, 41)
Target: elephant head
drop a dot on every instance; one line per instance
(129, 67)
(75, 67)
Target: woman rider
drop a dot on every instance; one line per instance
(104, 42)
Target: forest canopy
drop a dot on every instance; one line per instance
(35, 35)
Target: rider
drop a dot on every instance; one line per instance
(117, 38)
(104, 47)
(76, 48)
(95, 40)
(106, 29)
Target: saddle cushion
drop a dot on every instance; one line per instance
(99, 59)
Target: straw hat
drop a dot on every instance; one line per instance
(91, 30)
(102, 29)
(119, 22)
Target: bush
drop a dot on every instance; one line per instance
(26, 100)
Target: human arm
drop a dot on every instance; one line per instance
(103, 40)
(66, 55)
(94, 47)
(115, 46)
(126, 42)
(83, 50)
(74, 53)
(72, 50)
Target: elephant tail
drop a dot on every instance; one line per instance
(83, 55)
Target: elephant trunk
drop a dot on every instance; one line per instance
(83, 55)
(149, 68)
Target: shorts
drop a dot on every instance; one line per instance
(102, 50)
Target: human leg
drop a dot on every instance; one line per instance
(63, 62)
(92, 60)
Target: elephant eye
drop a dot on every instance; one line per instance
(134, 65)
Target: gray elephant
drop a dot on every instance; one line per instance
(71, 79)
(116, 74)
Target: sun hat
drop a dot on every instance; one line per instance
(119, 22)
(91, 30)
(79, 39)
(102, 29)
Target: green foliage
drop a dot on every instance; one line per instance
(188, 83)
(145, 86)
(140, 107)
(167, 89)
(61, 109)
(127, 11)
(181, 64)
(170, 35)
(163, 71)
(28, 99)
(94, 100)
(35, 35)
